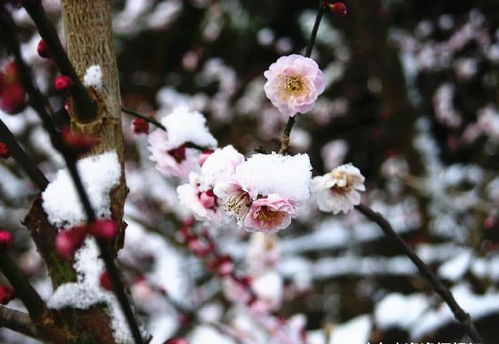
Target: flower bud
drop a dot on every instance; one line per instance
(6, 239)
(42, 49)
(4, 151)
(140, 126)
(339, 9)
(103, 229)
(68, 241)
(6, 294)
(12, 98)
(79, 144)
(105, 281)
(62, 83)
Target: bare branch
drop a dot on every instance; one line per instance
(17, 321)
(460, 315)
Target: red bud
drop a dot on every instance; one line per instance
(104, 229)
(6, 239)
(4, 150)
(62, 83)
(6, 294)
(79, 144)
(178, 154)
(177, 341)
(339, 9)
(12, 98)
(105, 281)
(68, 241)
(140, 126)
(42, 49)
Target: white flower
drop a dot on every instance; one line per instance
(338, 190)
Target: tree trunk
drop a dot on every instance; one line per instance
(89, 40)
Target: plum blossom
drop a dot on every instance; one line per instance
(264, 191)
(169, 148)
(198, 195)
(338, 190)
(269, 214)
(293, 84)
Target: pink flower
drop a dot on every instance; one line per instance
(269, 214)
(178, 161)
(293, 84)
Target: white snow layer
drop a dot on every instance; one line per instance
(355, 331)
(86, 291)
(93, 77)
(100, 174)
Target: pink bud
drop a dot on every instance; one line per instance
(203, 156)
(68, 241)
(207, 199)
(339, 9)
(105, 281)
(62, 83)
(79, 144)
(4, 151)
(104, 229)
(6, 239)
(198, 247)
(42, 49)
(140, 126)
(177, 341)
(6, 294)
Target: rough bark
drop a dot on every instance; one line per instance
(89, 40)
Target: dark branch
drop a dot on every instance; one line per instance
(145, 118)
(461, 316)
(85, 107)
(38, 102)
(24, 291)
(34, 173)
(17, 321)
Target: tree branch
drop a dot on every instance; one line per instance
(17, 321)
(34, 173)
(460, 315)
(38, 103)
(24, 291)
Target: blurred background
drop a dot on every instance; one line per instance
(411, 100)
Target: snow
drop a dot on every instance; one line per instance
(399, 311)
(86, 291)
(184, 125)
(93, 77)
(355, 331)
(285, 175)
(100, 174)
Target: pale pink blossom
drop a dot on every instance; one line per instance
(169, 149)
(262, 254)
(269, 214)
(338, 190)
(198, 195)
(264, 190)
(293, 84)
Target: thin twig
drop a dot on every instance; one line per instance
(145, 118)
(84, 105)
(461, 316)
(17, 321)
(311, 42)
(38, 103)
(33, 172)
(24, 291)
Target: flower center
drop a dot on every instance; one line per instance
(238, 204)
(269, 217)
(178, 154)
(344, 182)
(293, 84)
